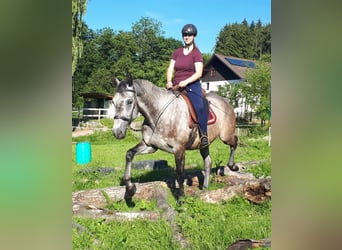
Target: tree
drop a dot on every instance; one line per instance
(232, 92)
(255, 92)
(105, 46)
(154, 51)
(100, 82)
(244, 40)
(88, 63)
(144, 52)
(78, 9)
(146, 32)
(258, 89)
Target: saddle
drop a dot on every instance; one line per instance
(193, 117)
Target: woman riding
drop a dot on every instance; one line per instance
(185, 70)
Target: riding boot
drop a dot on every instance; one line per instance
(204, 140)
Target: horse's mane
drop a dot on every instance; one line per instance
(143, 86)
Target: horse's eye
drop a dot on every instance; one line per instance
(129, 102)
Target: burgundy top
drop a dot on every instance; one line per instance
(185, 64)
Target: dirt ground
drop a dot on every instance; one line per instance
(86, 131)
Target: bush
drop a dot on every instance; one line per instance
(255, 131)
(108, 122)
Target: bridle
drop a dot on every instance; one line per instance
(124, 118)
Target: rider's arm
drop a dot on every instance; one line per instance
(169, 73)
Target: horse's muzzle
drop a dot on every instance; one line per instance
(119, 129)
(119, 134)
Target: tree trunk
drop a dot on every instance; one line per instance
(237, 183)
(89, 211)
(96, 198)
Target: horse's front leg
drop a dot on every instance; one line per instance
(180, 161)
(207, 165)
(140, 148)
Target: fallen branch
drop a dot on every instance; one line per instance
(96, 198)
(89, 211)
(249, 244)
(169, 214)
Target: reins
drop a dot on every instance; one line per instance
(160, 114)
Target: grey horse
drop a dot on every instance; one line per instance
(166, 127)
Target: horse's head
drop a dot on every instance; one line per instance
(126, 108)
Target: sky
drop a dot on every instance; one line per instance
(209, 17)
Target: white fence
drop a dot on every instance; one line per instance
(93, 113)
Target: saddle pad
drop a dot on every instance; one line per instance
(212, 116)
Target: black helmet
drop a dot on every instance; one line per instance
(189, 29)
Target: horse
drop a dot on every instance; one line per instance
(166, 127)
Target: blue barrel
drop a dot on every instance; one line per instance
(83, 152)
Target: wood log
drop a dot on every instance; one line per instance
(255, 190)
(89, 211)
(96, 198)
(169, 214)
(246, 244)
(226, 193)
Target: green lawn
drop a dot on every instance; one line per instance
(205, 226)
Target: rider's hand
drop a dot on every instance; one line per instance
(169, 85)
(182, 84)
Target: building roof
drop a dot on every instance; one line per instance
(97, 95)
(237, 65)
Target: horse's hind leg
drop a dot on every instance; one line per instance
(140, 148)
(180, 161)
(233, 147)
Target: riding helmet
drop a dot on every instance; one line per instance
(189, 29)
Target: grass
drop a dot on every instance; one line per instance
(215, 226)
(108, 152)
(118, 235)
(206, 226)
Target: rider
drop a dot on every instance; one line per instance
(187, 65)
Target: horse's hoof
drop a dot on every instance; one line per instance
(130, 191)
(180, 201)
(233, 168)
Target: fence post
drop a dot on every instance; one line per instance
(269, 136)
(78, 116)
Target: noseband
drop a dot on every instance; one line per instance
(122, 118)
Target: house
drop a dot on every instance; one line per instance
(95, 102)
(223, 70)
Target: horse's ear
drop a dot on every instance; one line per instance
(129, 79)
(115, 81)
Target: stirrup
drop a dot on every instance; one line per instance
(204, 141)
